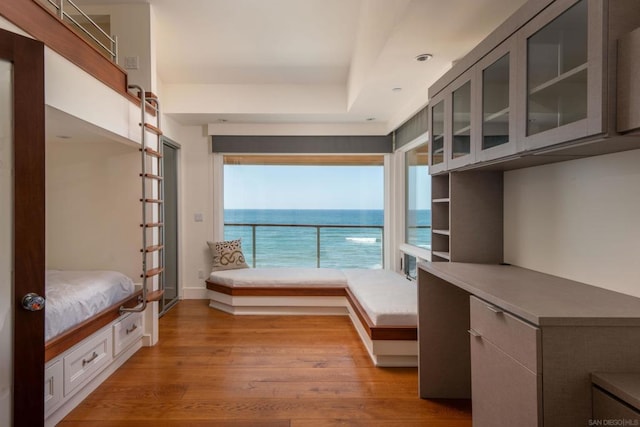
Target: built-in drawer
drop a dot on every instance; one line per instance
(127, 331)
(515, 337)
(88, 359)
(503, 392)
(606, 407)
(53, 391)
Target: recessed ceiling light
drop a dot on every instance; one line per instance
(396, 89)
(63, 136)
(222, 120)
(370, 119)
(424, 57)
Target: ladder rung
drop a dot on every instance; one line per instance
(152, 176)
(152, 224)
(152, 248)
(152, 200)
(154, 296)
(152, 152)
(152, 128)
(154, 272)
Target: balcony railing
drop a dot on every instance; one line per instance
(358, 249)
(106, 44)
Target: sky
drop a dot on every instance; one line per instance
(306, 187)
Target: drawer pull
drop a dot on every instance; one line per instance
(93, 357)
(494, 309)
(131, 329)
(474, 333)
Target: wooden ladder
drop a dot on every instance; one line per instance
(152, 200)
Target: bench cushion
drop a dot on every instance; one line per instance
(280, 277)
(387, 297)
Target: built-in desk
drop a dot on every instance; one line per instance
(520, 343)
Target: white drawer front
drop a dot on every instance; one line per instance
(52, 386)
(126, 332)
(87, 360)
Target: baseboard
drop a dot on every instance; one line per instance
(194, 292)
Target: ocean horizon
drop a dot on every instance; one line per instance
(289, 237)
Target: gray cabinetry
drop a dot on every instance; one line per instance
(560, 89)
(616, 398)
(466, 215)
(628, 82)
(544, 81)
(496, 102)
(505, 381)
(535, 340)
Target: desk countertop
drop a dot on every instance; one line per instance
(624, 386)
(541, 299)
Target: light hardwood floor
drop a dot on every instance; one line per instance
(214, 369)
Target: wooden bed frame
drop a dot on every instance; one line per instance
(60, 343)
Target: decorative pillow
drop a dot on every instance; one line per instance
(227, 255)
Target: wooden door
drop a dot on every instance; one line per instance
(28, 135)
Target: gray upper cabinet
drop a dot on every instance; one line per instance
(454, 125)
(496, 96)
(561, 91)
(438, 109)
(545, 80)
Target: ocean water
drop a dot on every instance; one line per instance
(291, 237)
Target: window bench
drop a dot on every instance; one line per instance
(381, 304)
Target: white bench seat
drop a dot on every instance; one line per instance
(388, 298)
(280, 277)
(381, 304)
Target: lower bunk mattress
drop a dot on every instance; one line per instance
(75, 296)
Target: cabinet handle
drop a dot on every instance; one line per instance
(494, 309)
(131, 329)
(89, 360)
(474, 333)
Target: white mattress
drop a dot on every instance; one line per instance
(387, 297)
(280, 277)
(74, 296)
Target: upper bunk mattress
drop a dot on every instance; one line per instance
(388, 298)
(280, 277)
(74, 296)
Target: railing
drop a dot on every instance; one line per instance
(317, 228)
(88, 29)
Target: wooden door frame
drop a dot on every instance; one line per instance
(27, 56)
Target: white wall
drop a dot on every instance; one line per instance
(196, 187)
(132, 24)
(6, 245)
(577, 220)
(93, 207)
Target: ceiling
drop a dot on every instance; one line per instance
(241, 66)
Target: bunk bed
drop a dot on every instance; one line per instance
(78, 303)
(96, 317)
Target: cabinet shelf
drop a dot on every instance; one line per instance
(444, 255)
(441, 231)
(559, 79)
(497, 115)
(463, 131)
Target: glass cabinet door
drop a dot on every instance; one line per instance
(461, 120)
(437, 134)
(557, 60)
(495, 104)
(496, 75)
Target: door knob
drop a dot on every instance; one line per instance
(33, 302)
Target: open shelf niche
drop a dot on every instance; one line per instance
(467, 211)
